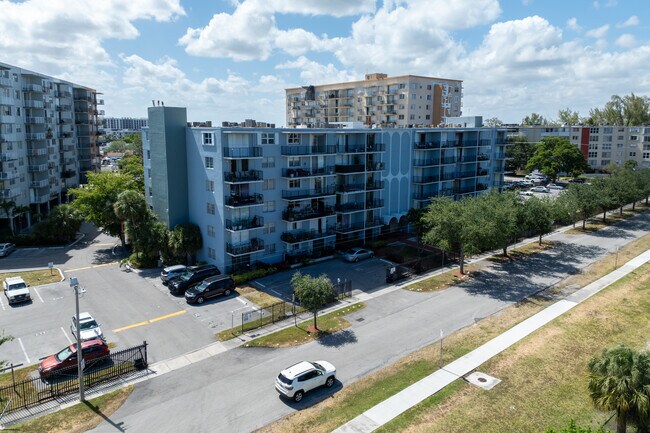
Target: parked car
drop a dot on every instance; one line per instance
(300, 378)
(191, 277)
(6, 249)
(526, 193)
(67, 358)
(356, 254)
(171, 272)
(540, 189)
(209, 288)
(555, 186)
(16, 290)
(90, 329)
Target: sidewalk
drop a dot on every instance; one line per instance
(389, 409)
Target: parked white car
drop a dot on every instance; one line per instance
(526, 193)
(540, 189)
(555, 186)
(16, 290)
(90, 329)
(300, 378)
(171, 272)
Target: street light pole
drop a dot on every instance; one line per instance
(74, 283)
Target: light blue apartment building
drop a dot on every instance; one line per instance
(274, 194)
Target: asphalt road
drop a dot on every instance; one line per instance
(234, 390)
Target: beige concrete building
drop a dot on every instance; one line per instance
(378, 100)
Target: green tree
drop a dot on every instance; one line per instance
(569, 117)
(60, 226)
(518, 152)
(118, 146)
(538, 216)
(619, 381)
(585, 199)
(4, 339)
(566, 209)
(534, 119)
(135, 140)
(624, 188)
(630, 164)
(313, 293)
(606, 196)
(628, 110)
(153, 238)
(8, 207)
(185, 240)
(492, 122)
(554, 155)
(95, 201)
(500, 212)
(131, 207)
(572, 427)
(132, 167)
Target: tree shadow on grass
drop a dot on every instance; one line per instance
(337, 339)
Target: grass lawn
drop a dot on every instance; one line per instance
(444, 280)
(296, 335)
(544, 377)
(35, 278)
(257, 297)
(20, 374)
(80, 417)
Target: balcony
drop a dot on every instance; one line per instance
(31, 103)
(242, 176)
(468, 159)
(35, 136)
(299, 194)
(481, 172)
(37, 152)
(67, 174)
(39, 183)
(5, 82)
(5, 175)
(426, 162)
(37, 168)
(243, 248)
(358, 226)
(241, 200)
(424, 196)
(449, 176)
(351, 188)
(482, 157)
(452, 160)
(8, 156)
(349, 168)
(242, 152)
(425, 179)
(429, 145)
(464, 190)
(375, 166)
(353, 206)
(69, 147)
(465, 175)
(244, 224)
(8, 193)
(306, 213)
(41, 198)
(298, 236)
(360, 148)
(33, 88)
(374, 185)
(307, 172)
(62, 94)
(374, 204)
(307, 150)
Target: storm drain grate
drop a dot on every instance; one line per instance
(360, 319)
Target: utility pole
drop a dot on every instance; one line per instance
(74, 283)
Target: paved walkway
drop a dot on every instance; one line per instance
(392, 407)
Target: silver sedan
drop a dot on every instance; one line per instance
(356, 254)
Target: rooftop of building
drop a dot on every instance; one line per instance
(377, 77)
(23, 71)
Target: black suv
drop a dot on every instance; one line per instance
(213, 286)
(192, 276)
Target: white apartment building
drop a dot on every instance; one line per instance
(378, 100)
(48, 138)
(124, 123)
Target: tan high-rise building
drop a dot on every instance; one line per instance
(379, 100)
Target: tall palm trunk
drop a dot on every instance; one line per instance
(621, 421)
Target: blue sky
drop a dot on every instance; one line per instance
(231, 60)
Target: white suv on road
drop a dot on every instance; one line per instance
(296, 380)
(89, 327)
(16, 290)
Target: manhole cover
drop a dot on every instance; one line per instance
(360, 319)
(482, 379)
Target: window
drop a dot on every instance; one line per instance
(428, 117)
(212, 253)
(269, 249)
(294, 161)
(412, 107)
(593, 130)
(268, 138)
(150, 192)
(211, 208)
(428, 86)
(593, 138)
(294, 183)
(402, 86)
(401, 117)
(402, 96)
(607, 138)
(632, 153)
(293, 138)
(606, 155)
(593, 155)
(428, 97)
(268, 162)
(619, 145)
(633, 138)
(207, 139)
(148, 154)
(268, 184)
(269, 228)
(646, 155)
(455, 98)
(209, 185)
(605, 162)
(211, 231)
(269, 206)
(413, 96)
(209, 162)
(607, 146)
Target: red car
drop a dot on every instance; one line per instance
(67, 358)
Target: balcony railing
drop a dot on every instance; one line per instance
(375, 166)
(35, 120)
(244, 224)
(426, 179)
(5, 82)
(38, 183)
(468, 159)
(41, 198)
(421, 196)
(374, 204)
(357, 226)
(429, 145)
(35, 136)
(350, 168)
(466, 174)
(482, 157)
(308, 150)
(239, 200)
(374, 185)
(242, 176)
(353, 206)
(297, 236)
(426, 162)
(31, 103)
(8, 156)
(451, 160)
(481, 172)
(299, 194)
(448, 176)
(242, 248)
(307, 172)
(351, 187)
(297, 214)
(8, 175)
(37, 152)
(32, 88)
(242, 152)
(38, 168)
(8, 193)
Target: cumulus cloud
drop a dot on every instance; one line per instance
(626, 41)
(572, 24)
(312, 72)
(599, 32)
(630, 22)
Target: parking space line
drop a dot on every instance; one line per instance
(66, 335)
(154, 320)
(24, 351)
(276, 292)
(39, 295)
(91, 267)
(2, 304)
(242, 301)
(259, 284)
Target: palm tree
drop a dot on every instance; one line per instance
(132, 208)
(619, 381)
(8, 206)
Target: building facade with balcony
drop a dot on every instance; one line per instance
(123, 123)
(394, 102)
(48, 137)
(600, 145)
(274, 194)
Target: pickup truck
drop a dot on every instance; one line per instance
(16, 290)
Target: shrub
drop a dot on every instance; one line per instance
(377, 244)
(253, 274)
(139, 260)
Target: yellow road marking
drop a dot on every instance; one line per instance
(146, 322)
(91, 267)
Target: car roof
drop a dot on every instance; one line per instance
(175, 268)
(200, 268)
(5, 245)
(88, 343)
(356, 249)
(85, 316)
(217, 278)
(14, 280)
(297, 369)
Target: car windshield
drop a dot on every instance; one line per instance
(17, 286)
(283, 379)
(89, 324)
(352, 252)
(317, 365)
(201, 287)
(186, 276)
(64, 354)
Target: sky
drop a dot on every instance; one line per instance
(230, 60)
